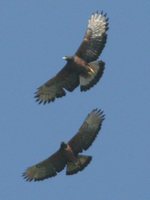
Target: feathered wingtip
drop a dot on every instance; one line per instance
(98, 13)
(41, 101)
(100, 18)
(32, 174)
(24, 175)
(44, 95)
(99, 113)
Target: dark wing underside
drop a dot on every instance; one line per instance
(45, 169)
(66, 79)
(87, 132)
(95, 38)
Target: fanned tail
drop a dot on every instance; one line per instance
(79, 165)
(96, 69)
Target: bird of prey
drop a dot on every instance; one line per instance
(68, 153)
(81, 68)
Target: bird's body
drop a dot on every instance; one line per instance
(81, 68)
(68, 153)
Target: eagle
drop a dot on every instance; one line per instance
(81, 68)
(68, 153)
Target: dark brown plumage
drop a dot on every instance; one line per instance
(82, 68)
(68, 154)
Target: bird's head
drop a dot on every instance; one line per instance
(67, 58)
(63, 145)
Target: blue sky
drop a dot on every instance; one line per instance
(34, 36)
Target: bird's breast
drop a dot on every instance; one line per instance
(69, 155)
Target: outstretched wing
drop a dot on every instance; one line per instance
(45, 169)
(67, 79)
(87, 132)
(95, 37)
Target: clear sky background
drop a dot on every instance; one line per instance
(34, 35)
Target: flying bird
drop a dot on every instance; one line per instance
(68, 153)
(81, 68)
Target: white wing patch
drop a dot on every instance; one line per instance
(98, 24)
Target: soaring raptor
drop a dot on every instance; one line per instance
(81, 68)
(68, 153)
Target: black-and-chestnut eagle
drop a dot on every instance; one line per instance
(68, 153)
(82, 68)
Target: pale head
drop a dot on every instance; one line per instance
(67, 58)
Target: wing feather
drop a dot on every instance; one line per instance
(87, 132)
(95, 37)
(46, 168)
(67, 79)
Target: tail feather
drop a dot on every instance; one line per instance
(97, 69)
(79, 165)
